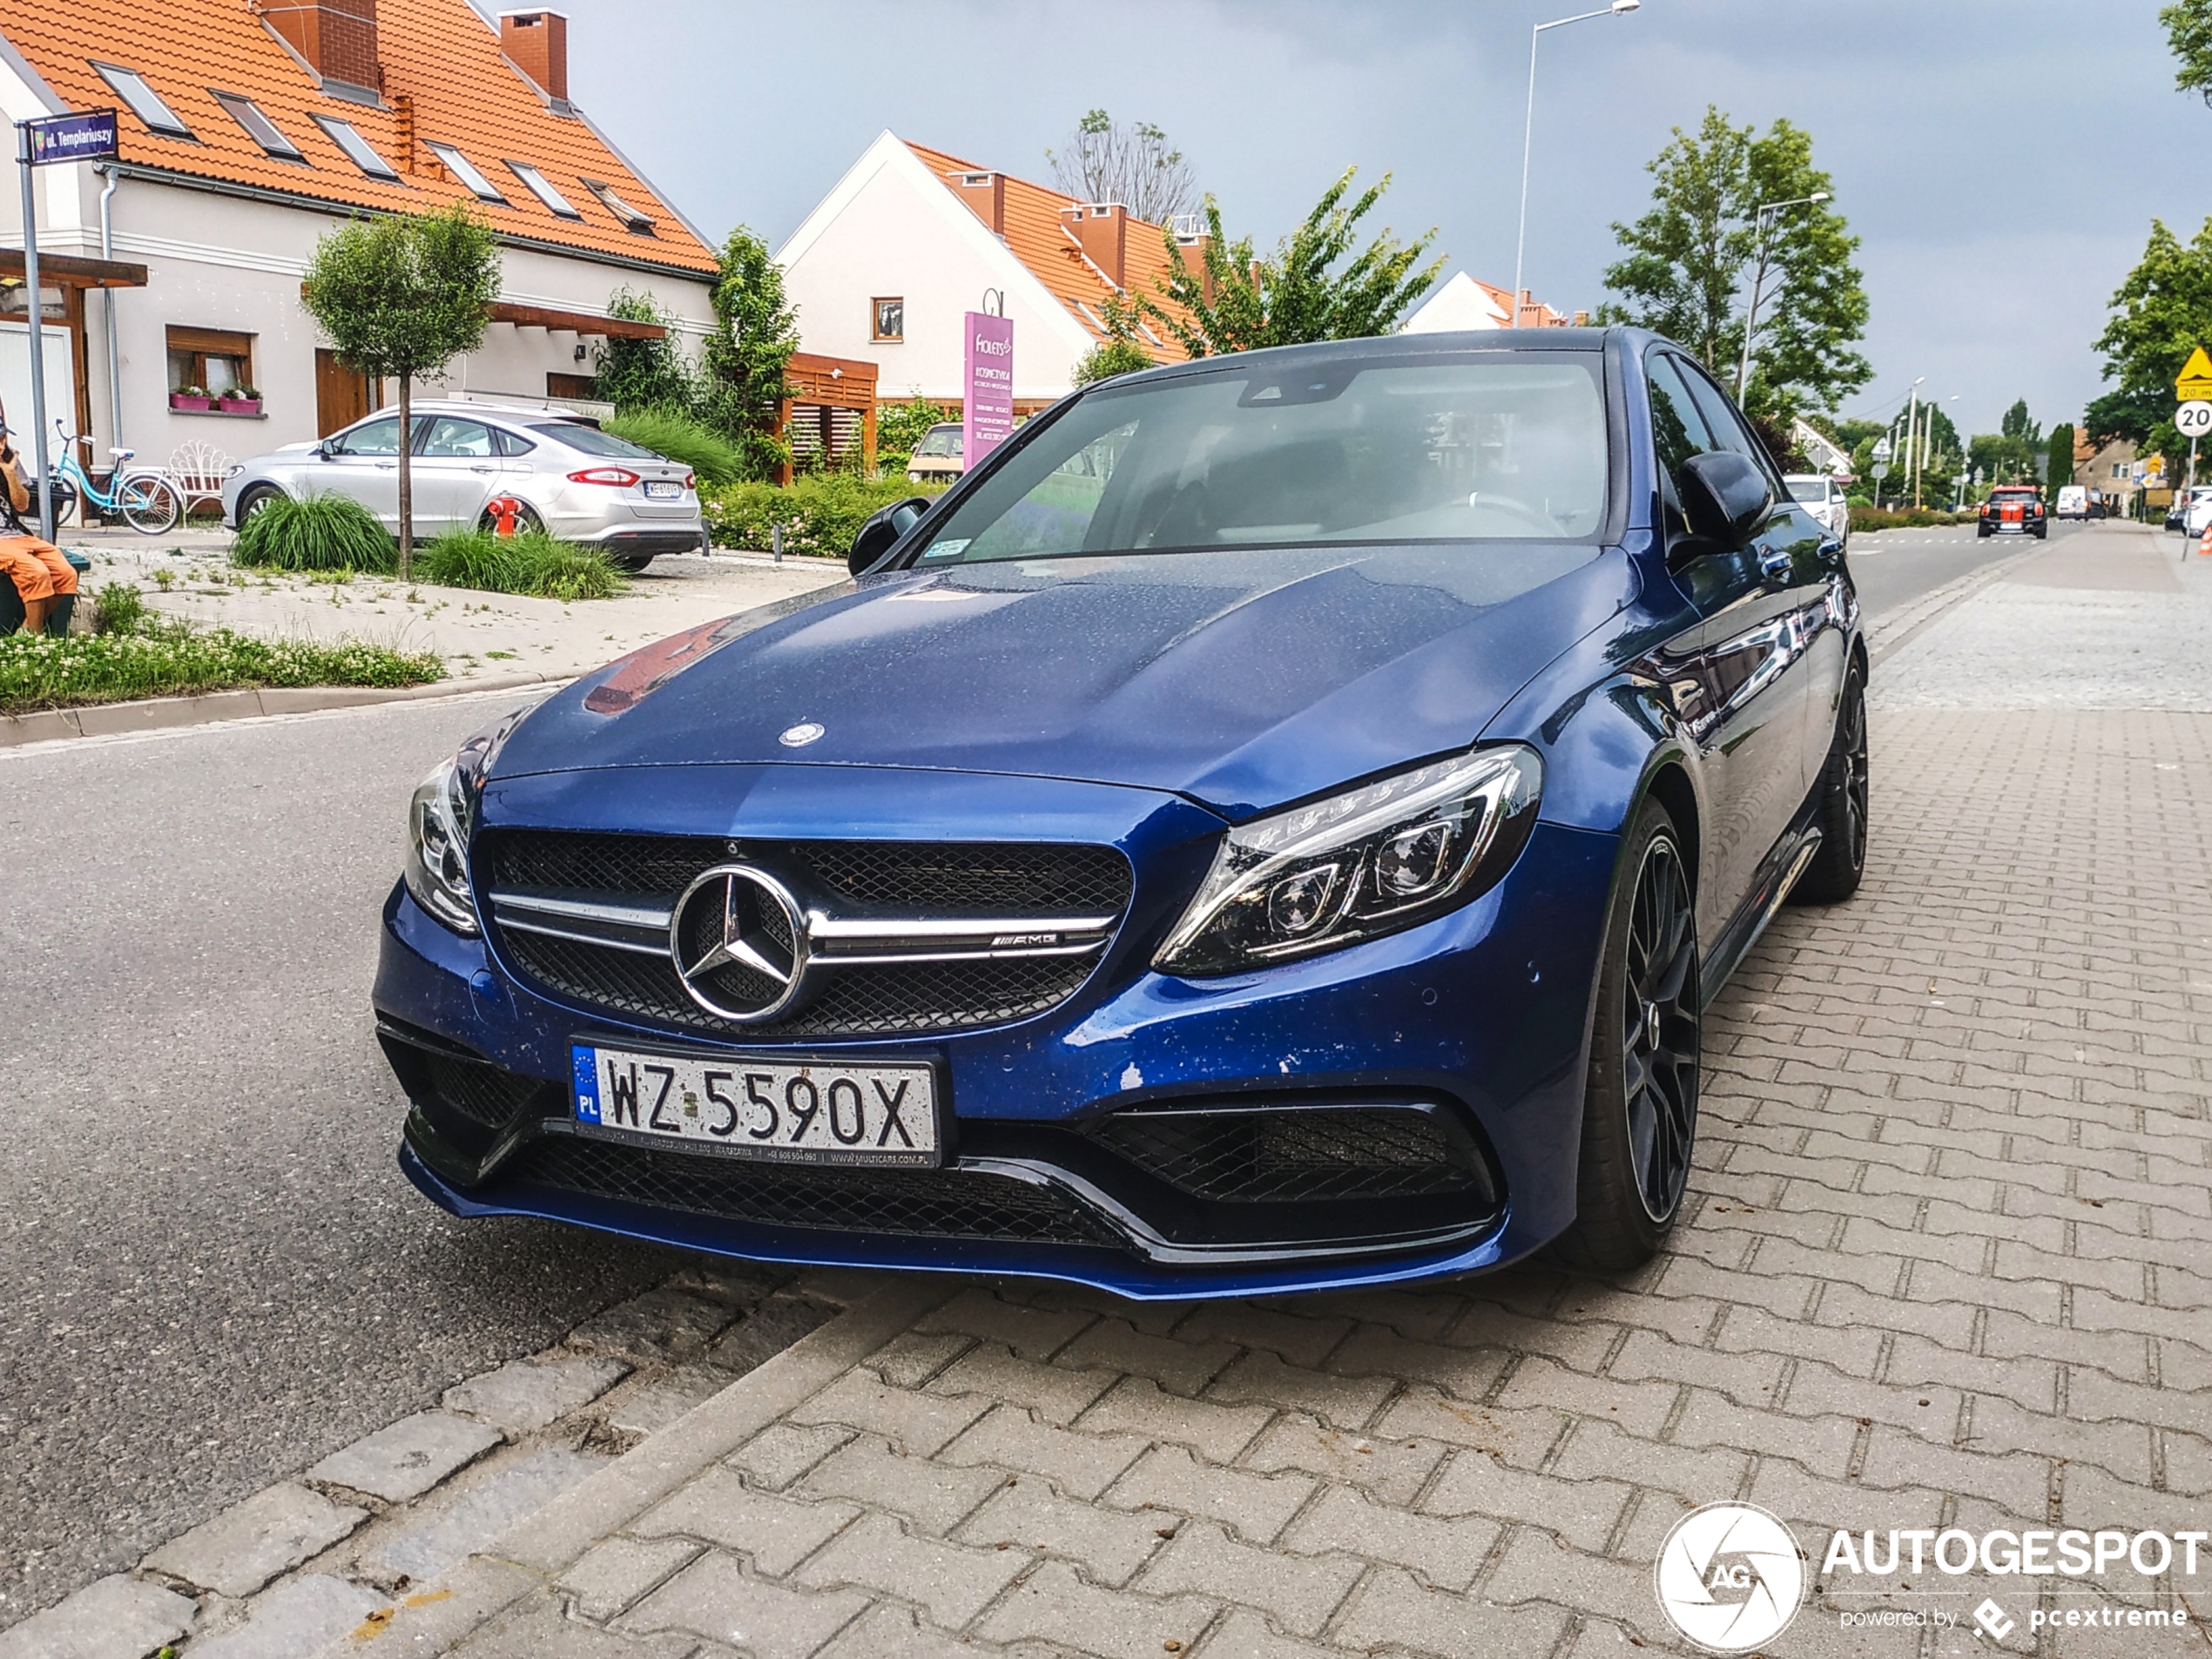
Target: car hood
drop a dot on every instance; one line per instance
(1241, 678)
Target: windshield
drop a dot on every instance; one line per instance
(1809, 488)
(939, 441)
(1491, 446)
(593, 442)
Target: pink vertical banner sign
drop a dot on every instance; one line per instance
(987, 416)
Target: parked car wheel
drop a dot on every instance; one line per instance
(1834, 874)
(1640, 1105)
(255, 499)
(633, 562)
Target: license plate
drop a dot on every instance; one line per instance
(2008, 530)
(777, 1111)
(661, 490)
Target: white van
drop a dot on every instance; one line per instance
(2073, 502)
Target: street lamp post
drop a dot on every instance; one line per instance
(1618, 8)
(1912, 432)
(1758, 281)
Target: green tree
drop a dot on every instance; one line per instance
(2017, 425)
(402, 295)
(1106, 160)
(2161, 313)
(1304, 290)
(1693, 259)
(637, 375)
(2188, 31)
(1119, 352)
(748, 355)
(899, 427)
(2057, 461)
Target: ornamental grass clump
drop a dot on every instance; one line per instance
(318, 533)
(530, 562)
(821, 514)
(676, 437)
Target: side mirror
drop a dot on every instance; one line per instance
(1725, 497)
(882, 533)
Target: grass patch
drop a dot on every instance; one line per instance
(319, 533)
(820, 514)
(530, 562)
(137, 654)
(680, 439)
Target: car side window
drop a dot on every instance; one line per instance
(452, 439)
(1678, 431)
(511, 443)
(376, 438)
(1729, 429)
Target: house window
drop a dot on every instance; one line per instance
(542, 187)
(144, 102)
(358, 150)
(887, 319)
(259, 127)
(215, 360)
(559, 385)
(630, 217)
(465, 169)
(2120, 469)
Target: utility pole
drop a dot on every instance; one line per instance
(1912, 432)
(1758, 279)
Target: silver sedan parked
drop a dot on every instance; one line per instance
(573, 480)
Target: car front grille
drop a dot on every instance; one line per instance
(482, 1094)
(936, 881)
(923, 1204)
(1298, 1155)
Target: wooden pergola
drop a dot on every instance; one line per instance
(820, 386)
(72, 275)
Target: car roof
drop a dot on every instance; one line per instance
(1391, 348)
(521, 412)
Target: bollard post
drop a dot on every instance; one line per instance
(776, 541)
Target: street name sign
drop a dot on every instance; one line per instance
(89, 135)
(2195, 381)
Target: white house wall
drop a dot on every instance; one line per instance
(900, 232)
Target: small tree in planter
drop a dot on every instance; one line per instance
(402, 295)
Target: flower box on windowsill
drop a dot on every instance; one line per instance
(189, 405)
(240, 405)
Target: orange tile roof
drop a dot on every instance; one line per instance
(438, 57)
(1037, 236)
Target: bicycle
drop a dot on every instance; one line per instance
(144, 500)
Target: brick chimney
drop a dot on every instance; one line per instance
(1102, 228)
(336, 38)
(1193, 249)
(986, 193)
(537, 43)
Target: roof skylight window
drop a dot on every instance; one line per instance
(130, 86)
(631, 218)
(259, 127)
(542, 187)
(358, 150)
(465, 169)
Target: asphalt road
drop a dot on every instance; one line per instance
(1897, 567)
(215, 1273)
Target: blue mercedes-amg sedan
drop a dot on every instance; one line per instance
(1274, 825)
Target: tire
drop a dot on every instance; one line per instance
(1841, 811)
(65, 503)
(631, 562)
(524, 520)
(1981, 532)
(1639, 1100)
(255, 499)
(149, 505)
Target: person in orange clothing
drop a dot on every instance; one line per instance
(41, 577)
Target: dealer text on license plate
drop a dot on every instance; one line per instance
(775, 1110)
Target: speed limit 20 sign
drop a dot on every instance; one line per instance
(2192, 419)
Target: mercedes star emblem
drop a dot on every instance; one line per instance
(799, 736)
(738, 941)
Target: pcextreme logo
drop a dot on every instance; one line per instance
(1729, 1577)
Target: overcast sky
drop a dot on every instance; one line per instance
(2001, 159)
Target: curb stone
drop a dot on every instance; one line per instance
(161, 713)
(532, 1554)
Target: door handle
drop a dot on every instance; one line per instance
(480, 468)
(1833, 549)
(1774, 563)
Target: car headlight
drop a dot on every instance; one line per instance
(1386, 855)
(438, 821)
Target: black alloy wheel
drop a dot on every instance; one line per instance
(255, 500)
(1841, 809)
(1640, 1104)
(525, 521)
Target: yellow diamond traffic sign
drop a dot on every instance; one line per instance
(2195, 381)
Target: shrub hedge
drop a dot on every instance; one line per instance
(318, 533)
(820, 514)
(690, 443)
(1894, 518)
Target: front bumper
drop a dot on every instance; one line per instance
(1471, 1028)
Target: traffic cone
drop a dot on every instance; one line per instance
(2204, 542)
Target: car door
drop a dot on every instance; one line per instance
(456, 470)
(363, 463)
(1740, 650)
